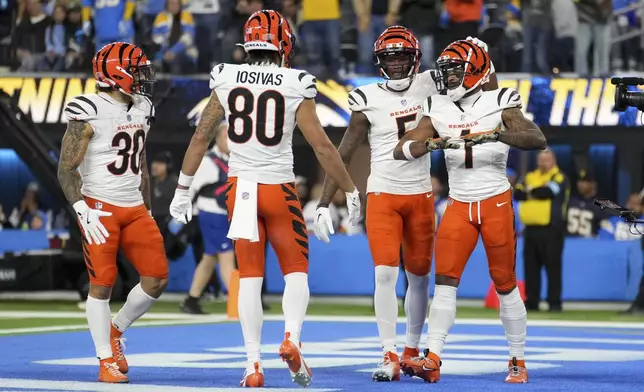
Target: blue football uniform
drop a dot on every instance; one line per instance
(614, 228)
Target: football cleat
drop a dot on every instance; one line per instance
(109, 372)
(253, 377)
(517, 372)
(410, 353)
(388, 368)
(118, 345)
(427, 367)
(290, 353)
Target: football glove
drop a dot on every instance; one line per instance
(323, 225)
(481, 137)
(181, 206)
(440, 143)
(353, 206)
(89, 220)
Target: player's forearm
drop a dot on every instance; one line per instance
(211, 117)
(329, 189)
(492, 84)
(70, 182)
(332, 163)
(416, 150)
(521, 132)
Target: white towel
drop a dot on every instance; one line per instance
(244, 222)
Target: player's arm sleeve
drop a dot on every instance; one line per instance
(81, 108)
(508, 98)
(307, 85)
(357, 100)
(216, 71)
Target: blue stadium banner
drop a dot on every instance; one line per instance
(556, 102)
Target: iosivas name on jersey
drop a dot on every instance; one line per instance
(479, 172)
(390, 115)
(111, 168)
(260, 103)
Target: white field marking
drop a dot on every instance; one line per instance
(198, 319)
(74, 327)
(81, 315)
(48, 385)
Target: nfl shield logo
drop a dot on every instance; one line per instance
(462, 117)
(245, 195)
(403, 102)
(129, 118)
(99, 205)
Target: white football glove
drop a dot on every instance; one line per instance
(323, 225)
(87, 28)
(353, 206)
(483, 46)
(89, 220)
(181, 206)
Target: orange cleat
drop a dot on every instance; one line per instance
(410, 353)
(388, 368)
(109, 372)
(290, 353)
(253, 378)
(118, 345)
(518, 374)
(427, 367)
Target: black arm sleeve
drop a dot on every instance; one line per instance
(519, 193)
(542, 193)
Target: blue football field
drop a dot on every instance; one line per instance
(342, 351)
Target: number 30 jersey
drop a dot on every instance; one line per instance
(260, 103)
(390, 115)
(111, 168)
(479, 172)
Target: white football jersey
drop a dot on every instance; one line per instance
(111, 169)
(479, 172)
(260, 103)
(390, 115)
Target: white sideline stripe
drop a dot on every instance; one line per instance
(48, 385)
(180, 318)
(74, 327)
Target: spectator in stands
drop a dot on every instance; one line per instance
(512, 179)
(163, 185)
(583, 216)
(30, 36)
(147, 11)
(320, 31)
(29, 207)
(233, 26)
(566, 25)
(112, 20)
(73, 24)
(536, 22)
(289, 11)
(594, 17)
(544, 196)
(373, 16)
(206, 15)
(626, 54)
(55, 42)
(174, 32)
(421, 16)
(464, 18)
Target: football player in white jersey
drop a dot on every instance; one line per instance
(400, 203)
(486, 123)
(104, 175)
(263, 100)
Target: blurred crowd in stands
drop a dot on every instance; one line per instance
(335, 37)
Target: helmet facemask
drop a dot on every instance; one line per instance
(144, 81)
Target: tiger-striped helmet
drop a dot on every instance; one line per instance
(463, 67)
(269, 30)
(397, 55)
(124, 67)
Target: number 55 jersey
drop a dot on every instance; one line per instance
(111, 169)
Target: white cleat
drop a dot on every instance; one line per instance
(388, 368)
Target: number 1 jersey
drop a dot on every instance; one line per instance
(260, 103)
(111, 168)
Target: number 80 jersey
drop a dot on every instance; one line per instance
(111, 168)
(260, 103)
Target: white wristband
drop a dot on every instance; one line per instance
(406, 149)
(185, 180)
